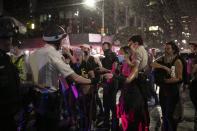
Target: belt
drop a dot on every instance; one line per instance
(45, 89)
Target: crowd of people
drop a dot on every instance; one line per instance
(58, 87)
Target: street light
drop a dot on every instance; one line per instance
(92, 4)
(32, 26)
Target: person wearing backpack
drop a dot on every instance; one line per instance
(169, 88)
(9, 78)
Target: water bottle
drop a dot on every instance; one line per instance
(173, 72)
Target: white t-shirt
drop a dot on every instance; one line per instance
(47, 64)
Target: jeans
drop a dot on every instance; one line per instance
(168, 104)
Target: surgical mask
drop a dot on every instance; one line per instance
(121, 58)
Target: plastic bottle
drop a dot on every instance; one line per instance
(173, 72)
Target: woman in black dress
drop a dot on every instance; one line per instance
(131, 106)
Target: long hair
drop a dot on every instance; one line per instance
(175, 48)
(137, 38)
(127, 51)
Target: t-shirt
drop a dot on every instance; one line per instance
(85, 66)
(141, 57)
(109, 59)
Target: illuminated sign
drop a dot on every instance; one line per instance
(153, 28)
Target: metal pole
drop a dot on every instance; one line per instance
(103, 17)
(1, 7)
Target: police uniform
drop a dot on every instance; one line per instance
(21, 64)
(48, 66)
(9, 79)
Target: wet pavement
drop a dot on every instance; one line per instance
(187, 123)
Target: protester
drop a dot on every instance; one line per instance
(169, 88)
(193, 84)
(139, 77)
(110, 63)
(130, 108)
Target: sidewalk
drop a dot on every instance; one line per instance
(188, 123)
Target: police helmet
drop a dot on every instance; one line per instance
(53, 34)
(8, 27)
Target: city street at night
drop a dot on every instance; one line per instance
(98, 65)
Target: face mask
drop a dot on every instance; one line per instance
(120, 58)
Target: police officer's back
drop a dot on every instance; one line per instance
(9, 79)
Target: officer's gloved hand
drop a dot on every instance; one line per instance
(95, 80)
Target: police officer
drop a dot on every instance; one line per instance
(89, 64)
(47, 65)
(9, 79)
(19, 58)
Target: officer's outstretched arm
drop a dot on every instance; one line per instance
(79, 79)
